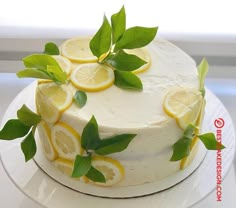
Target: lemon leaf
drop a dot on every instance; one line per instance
(181, 149)
(114, 144)
(95, 175)
(202, 72)
(124, 61)
(118, 23)
(57, 74)
(136, 37)
(13, 129)
(80, 98)
(28, 117)
(82, 165)
(90, 137)
(188, 133)
(210, 142)
(46, 66)
(33, 73)
(51, 48)
(127, 80)
(28, 146)
(101, 42)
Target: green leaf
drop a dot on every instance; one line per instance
(28, 146)
(13, 129)
(82, 165)
(51, 49)
(124, 61)
(80, 98)
(28, 117)
(127, 80)
(90, 137)
(95, 175)
(57, 74)
(210, 142)
(136, 37)
(46, 65)
(101, 42)
(33, 73)
(188, 133)
(114, 144)
(202, 72)
(118, 23)
(181, 149)
(39, 61)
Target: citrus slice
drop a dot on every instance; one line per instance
(66, 141)
(112, 170)
(92, 77)
(193, 148)
(64, 63)
(188, 160)
(183, 104)
(45, 139)
(77, 49)
(51, 100)
(144, 55)
(65, 166)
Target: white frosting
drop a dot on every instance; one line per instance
(119, 111)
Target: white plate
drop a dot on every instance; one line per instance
(35, 183)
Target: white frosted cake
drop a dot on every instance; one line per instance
(118, 111)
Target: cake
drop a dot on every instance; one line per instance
(115, 116)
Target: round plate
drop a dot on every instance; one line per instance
(35, 183)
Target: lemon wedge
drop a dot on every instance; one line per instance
(144, 55)
(183, 104)
(52, 100)
(92, 77)
(45, 139)
(77, 49)
(66, 141)
(112, 170)
(64, 63)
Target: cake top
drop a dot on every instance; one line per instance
(114, 107)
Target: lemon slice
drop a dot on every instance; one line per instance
(193, 148)
(112, 170)
(66, 141)
(45, 138)
(183, 104)
(52, 100)
(143, 54)
(77, 49)
(64, 63)
(92, 77)
(65, 166)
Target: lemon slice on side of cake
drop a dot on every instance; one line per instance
(92, 77)
(193, 148)
(112, 170)
(52, 100)
(77, 49)
(45, 139)
(144, 55)
(64, 63)
(66, 141)
(183, 104)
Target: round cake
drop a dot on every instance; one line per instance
(141, 113)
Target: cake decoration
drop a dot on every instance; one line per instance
(105, 78)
